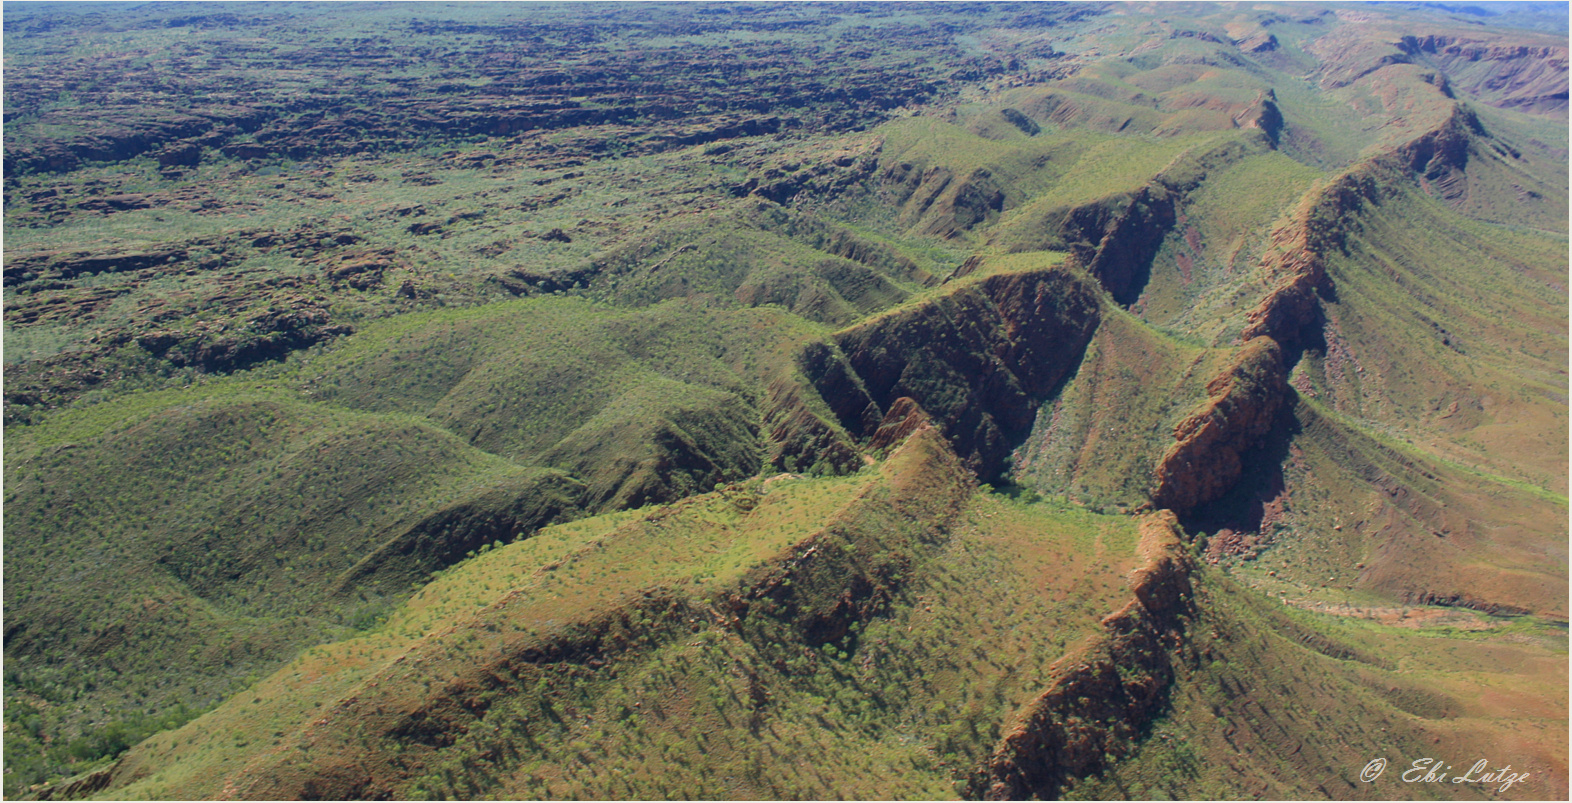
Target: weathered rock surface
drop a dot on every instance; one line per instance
(979, 360)
(800, 439)
(1526, 77)
(1106, 690)
(497, 79)
(1205, 460)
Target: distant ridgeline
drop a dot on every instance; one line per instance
(721, 401)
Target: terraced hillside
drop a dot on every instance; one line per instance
(722, 401)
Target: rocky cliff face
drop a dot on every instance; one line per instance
(1439, 157)
(1130, 239)
(980, 361)
(800, 439)
(904, 418)
(1205, 459)
(1263, 114)
(1104, 692)
(1298, 271)
(1296, 259)
(1527, 76)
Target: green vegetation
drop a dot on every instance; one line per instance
(1283, 703)
(202, 542)
(433, 403)
(1449, 310)
(1097, 444)
(959, 646)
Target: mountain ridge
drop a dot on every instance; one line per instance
(1094, 403)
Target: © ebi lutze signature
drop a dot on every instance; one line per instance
(1432, 770)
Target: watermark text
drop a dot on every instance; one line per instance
(1434, 770)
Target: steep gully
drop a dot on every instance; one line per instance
(979, 361)
(1102, 692)
(983, 359)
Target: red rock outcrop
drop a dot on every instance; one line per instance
(904, 418)
(1106, 690)
(1205, 459)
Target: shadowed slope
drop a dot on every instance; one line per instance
(195, 542)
